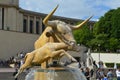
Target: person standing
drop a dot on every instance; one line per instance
(87, 73)
(100, 74)
(95, 67)
(82, 70)
(105, 78)
(110, 74)
(118, 73)
(16, 71)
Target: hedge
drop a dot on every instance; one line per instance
(110, 65)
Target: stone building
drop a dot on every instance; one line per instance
(19, 28)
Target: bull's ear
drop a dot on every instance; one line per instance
(81, 24)
(45, 21)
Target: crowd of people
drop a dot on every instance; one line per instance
(5, 63)
(97, 73)
(14, 61)
(101, 73)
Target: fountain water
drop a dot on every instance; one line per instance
(55, 73)
(30, 75)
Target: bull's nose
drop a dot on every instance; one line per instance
(74, 46)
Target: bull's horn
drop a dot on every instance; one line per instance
(49, 15)
(81, 24)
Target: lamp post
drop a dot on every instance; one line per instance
(99, 52)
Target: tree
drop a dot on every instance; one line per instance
(83, 36)
(106, 31)
(115, 32)
(98, 40)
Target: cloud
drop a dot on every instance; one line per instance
(72, 8)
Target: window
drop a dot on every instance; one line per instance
(2, 18)
(31, 26)
(24, 25)
(37, 27)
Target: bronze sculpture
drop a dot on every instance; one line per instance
(57, 31)
(38, 56)
(53, 42)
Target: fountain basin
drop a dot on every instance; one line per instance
(58, 73)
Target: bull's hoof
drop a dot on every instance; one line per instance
(74, 62)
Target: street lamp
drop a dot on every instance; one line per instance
(99, 51)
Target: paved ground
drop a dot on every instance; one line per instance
(7, 74)
(7, 70)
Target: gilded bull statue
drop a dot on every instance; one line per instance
(58, 31)
(56, 39)
(38, 56)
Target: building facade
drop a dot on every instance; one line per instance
(15, 21)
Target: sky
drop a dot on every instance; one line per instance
(79, 9)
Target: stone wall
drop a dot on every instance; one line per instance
(9, 2)
(12, 43)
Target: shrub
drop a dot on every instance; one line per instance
(118, 64)
(110, 65)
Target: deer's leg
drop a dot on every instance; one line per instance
(61, 53)
(56, 53)
(27, 64)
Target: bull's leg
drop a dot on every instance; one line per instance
(28, 59)
(70, 57)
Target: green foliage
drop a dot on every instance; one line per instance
(108, 27)
(118, 64)
(106, 33)
(110, 65)
(83, 35)
(116, 23)
(98, 42)
(113, 44)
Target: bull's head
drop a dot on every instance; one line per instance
(62, 30)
